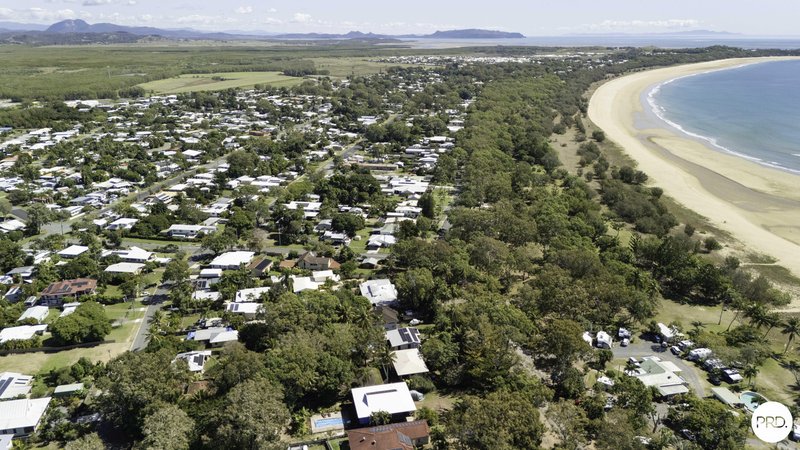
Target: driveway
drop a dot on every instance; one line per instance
(693, 375)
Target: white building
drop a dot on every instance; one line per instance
(73, 251)
(393, 398)
(250, 295)
(22, 417)
(14, 384)
(379, 292)
(38, 313)
(231, 260)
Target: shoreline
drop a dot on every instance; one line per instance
(758, 205)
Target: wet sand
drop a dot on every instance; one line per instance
(758, 205)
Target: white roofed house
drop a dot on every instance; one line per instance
(14, 384)
(188, 231)
(408, 362)
(21, 333)
(403, 338)
(125, 268)
(393, 398)
(196, 360)
(73, 251)
(22, 417)
(37, 313)
(122, 224)
(251, 295)
(231, 260)
(379, 292)
(249, 310)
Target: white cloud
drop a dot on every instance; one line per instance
(301, 18)
(244, 10)
(272, 10)
(96, 2)
(6, 13)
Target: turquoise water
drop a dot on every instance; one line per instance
(751, 111)
(752, 399)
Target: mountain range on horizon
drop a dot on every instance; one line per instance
(78, 26)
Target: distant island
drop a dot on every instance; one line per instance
(77, 29)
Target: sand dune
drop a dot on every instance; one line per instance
(758, 205)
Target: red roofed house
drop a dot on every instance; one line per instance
(396, 436)
(55, 294)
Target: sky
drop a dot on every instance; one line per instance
(530, 17)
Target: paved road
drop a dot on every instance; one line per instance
(143, 333)
(641, 348)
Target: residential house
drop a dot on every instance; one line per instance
(21, 333)
(188, 231)
(310, 261)
(122, 224)
(73, 251)
(57, 292)
(125, 268)
(196, 359)
(13, 385)
(37, 313)
(393, 398)
(22, 417)
(379, 292)
(388, 316)
(248, 310)
(231, 260)
(408, 362)
(395, 436)
(250, 295)
(403, 338)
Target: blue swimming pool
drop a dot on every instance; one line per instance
(328, 422)
(752, 399)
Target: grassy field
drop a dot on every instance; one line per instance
(128, 314)
(345, 67)
(773, 380)
(218, 81)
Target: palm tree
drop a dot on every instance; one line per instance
(750, 372)
(791, 328)
(771, 320)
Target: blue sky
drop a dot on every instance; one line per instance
(530, 17)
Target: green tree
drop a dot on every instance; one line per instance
(86, 442)
(168, 428)
(135, 384)
(88, 323)
(252, 416)
(218, 242)
(176, 271)
(501, 421)
(11, 255)
(428, 205)
(791, 328)
(38, 216)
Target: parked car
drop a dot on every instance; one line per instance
(675, 350)
(625, 342)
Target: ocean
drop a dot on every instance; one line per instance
(751, 111)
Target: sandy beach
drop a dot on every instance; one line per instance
(759, 206)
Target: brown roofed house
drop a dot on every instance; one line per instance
(396, 436)
(311, 261)
(55, 294)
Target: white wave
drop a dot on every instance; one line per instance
(660, 112)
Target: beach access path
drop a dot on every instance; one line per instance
(759, 206)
